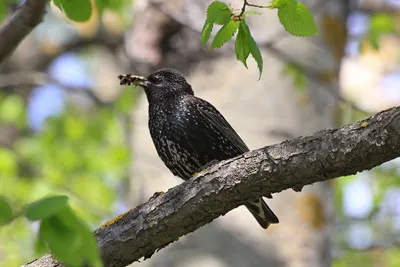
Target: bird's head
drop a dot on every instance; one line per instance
(160, 85)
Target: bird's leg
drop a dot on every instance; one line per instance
(205, 167)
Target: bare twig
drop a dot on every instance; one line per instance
(245, 4)
(291, 164)
(19, 25)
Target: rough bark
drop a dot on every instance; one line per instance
(19, 25)
(291, 164)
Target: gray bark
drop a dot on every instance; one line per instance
(223, 187)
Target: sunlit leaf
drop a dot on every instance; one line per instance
(218, 13)
(297, 19)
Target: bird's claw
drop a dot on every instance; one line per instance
(156, 195)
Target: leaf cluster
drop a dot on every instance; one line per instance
(295, 17)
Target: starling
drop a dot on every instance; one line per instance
(188, 132)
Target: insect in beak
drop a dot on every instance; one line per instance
(129, 79)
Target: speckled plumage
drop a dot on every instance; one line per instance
(188, 132)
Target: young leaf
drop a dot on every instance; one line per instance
(225, 34)
(245, 45)
(77, 10)
(6, 212)
(255, 52)
(218, 13)
(206, 32)
(242, 48)
(297, 19)
(45, 208)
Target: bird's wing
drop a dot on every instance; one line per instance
(215, 118)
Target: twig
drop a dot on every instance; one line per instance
(245, 3)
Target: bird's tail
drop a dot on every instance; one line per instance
(262, 213)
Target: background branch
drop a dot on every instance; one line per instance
(291, 164)
(19, 25)
(16, 79)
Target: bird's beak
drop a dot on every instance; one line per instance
(129, 79)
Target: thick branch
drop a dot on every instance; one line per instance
(19, 25)
(291, 164)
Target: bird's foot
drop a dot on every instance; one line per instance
(205, 167)
(157, 194)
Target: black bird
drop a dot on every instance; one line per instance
(188, 132)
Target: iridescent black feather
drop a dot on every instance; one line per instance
(188, 132)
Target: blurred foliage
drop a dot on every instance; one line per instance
(380, 24)
(81, 153)
(371, 258)
(297, 73)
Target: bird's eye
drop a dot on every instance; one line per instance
(155, 79)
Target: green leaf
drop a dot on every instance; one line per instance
(6, 212)
(62, 240)
(225, 34)
(242, 48)
(57, 3)
(218, 13)
(297, 19)
(69, 239)
(255, 52)
(101, 5)
(45, 208)
(206, 32)
(245, 45)
(281, 3)
(77, 10)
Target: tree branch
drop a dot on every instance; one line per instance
(291, 164)
(19, 25)
(16, 79)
